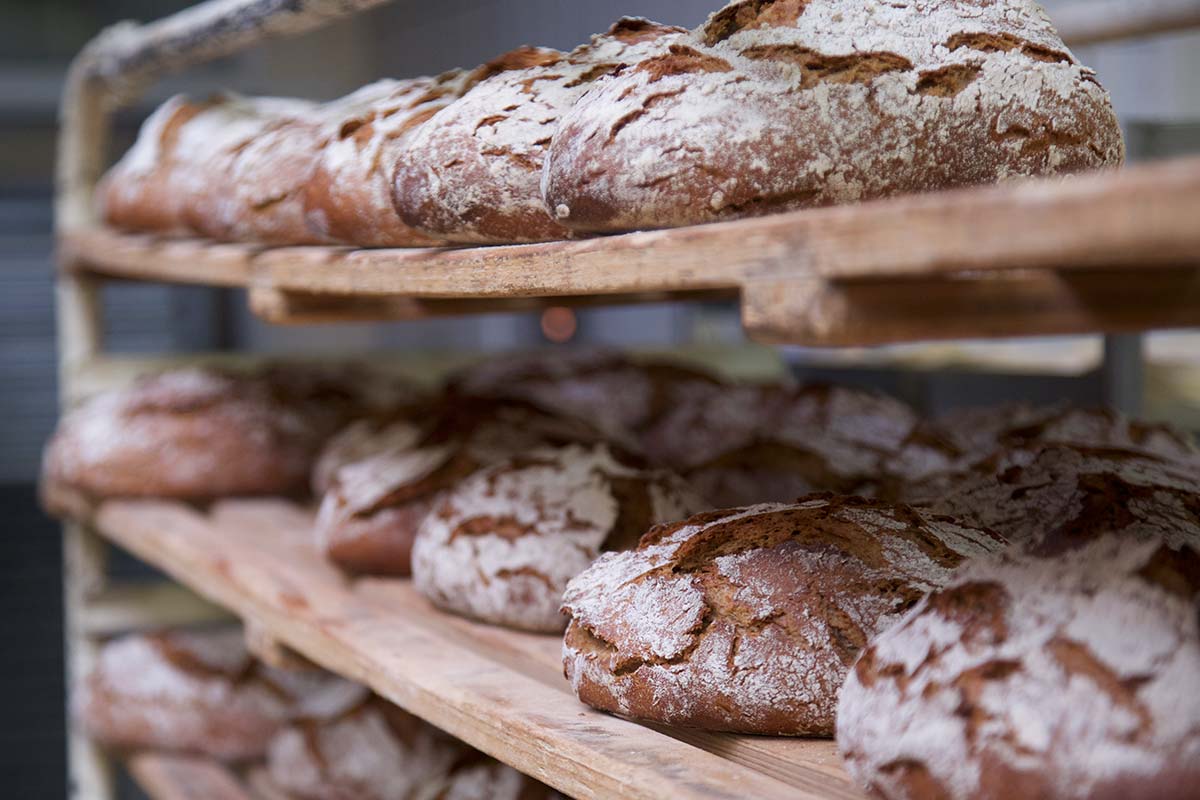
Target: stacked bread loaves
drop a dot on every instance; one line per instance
(770, 105)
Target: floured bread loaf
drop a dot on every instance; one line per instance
(939, 454)
(370, 514)
(745, 444)
(1069, 677)
(1053, 497)
(482, 778)
(615, 392)
(501, 546)
(349, 195)
(783, 104)
(473, 173)
(371, 750)
(158, 185)
(747, 619)
(194, 691)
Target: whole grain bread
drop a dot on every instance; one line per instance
(747, 619)
(473, 173)
(501, 546)
(1069, 677)
(745, 444)
(195, 691)
(782, 104)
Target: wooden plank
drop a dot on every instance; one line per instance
(154, 258)
(500, 691)
(122, 608)
(1021, 303)
(164, 776)
(1095, 21)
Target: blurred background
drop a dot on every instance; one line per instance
(1153, 84)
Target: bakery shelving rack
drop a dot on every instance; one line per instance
(1105, 252)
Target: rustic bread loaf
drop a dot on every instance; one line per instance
(501, 546)
(1053, 497)
(617, 393)
(370, 514)
(1069, 677)
(167, 178)
(747, 619)
(473, 173)
(348, 197)
(482, 778)
(939, 454)
(783, 104)
(372, 750)
(194, 691)
(745, 444)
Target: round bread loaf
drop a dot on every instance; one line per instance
(349, 195)
(614, 392)
(480, 778)
(374, 505)
(191, 434)
(1053, 497)
(370, 751)
(782, 104)
(193, 691)
(940, 454)
(501, 546)
(473, 174)
(1068, 677)
(747, 619)
(745, 444)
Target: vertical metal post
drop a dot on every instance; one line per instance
(1123, 373)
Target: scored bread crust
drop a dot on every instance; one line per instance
(746, 444)
(1069, 677)
(747, 619)
(1052, 497)
(782, 104)
(473, 174)
(193, 691)
(501, 546)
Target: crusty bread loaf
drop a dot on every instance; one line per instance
(1053, 497)
(1070, 677)
(747, 619)
(619, 394)
(939, 454)
(482, 778)
(194, 691)
(375, 503)
(202, 433)
(370, 751)
(745, 444)
(473, 173)
(782, 104)
(348, 198)
(501, 546)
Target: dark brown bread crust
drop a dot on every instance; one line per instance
(1069, 677)
(783, 104)
(747, 619)
(473, 174)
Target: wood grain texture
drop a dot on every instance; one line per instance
(500, 691)
(1137, 221)
(174, 777)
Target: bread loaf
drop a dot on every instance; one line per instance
(349, 195)
(1053, 497)
(501, 546)
(782, 104)
(193, 691)
(747, 619)
(375, 504)
(473, 173)
(1070, 677)
(745, 444)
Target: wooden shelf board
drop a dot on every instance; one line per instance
(1125, 223)
(499, 690)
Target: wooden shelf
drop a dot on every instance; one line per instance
(501, 691)
(1107, 251)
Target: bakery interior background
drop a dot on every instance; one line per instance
(1152, 82)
